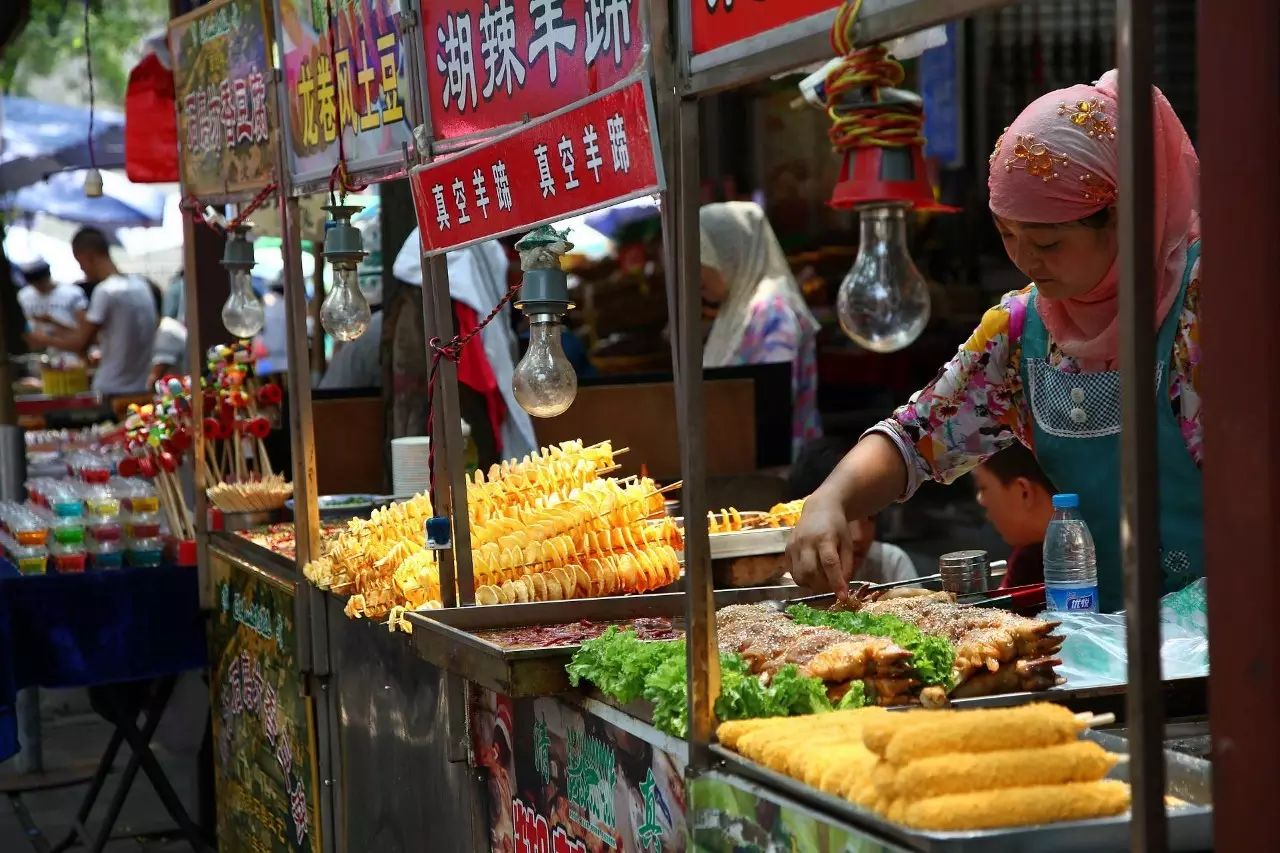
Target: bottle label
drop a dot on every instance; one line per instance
(1078, 599)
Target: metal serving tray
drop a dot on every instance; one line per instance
(446, 637)
(1187, 778)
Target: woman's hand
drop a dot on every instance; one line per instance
(820, 552)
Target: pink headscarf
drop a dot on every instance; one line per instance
(1059, 162)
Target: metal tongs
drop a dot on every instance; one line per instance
(860, 591)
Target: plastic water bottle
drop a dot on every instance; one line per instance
(1070, 562)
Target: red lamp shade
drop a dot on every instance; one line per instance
(878, 174)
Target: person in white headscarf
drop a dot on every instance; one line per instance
(760, 314)
(478, 279)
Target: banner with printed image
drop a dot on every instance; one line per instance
(562, 780)
(355, 85)
(263, 730)
(222, 80)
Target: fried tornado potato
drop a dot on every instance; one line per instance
(1018, 806)
(958, 773)
(985, 730)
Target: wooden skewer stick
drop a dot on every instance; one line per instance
(264, 464)
(678, 484)
(1090, 720)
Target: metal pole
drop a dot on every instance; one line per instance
(311, 613)
(704, 658)
(457, 585)
(665, 75)
(1139, 520)
(195, 365)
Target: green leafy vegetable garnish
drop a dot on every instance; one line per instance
(855, 698)
(932, 657)
(618, 664)
(624, 668)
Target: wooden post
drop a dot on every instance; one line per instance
(1239, 117)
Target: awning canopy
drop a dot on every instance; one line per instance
(39, 139)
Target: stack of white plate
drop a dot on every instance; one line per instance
(409, 474)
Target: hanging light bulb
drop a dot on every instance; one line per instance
(883, 303)
(242, 313)
(345, 313)
(93, 184)
(544, 382)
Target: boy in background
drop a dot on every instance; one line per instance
(1018, 498)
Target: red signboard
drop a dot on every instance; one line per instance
(717, 23)
(493, 63)
(601, 151)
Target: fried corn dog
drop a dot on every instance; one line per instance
(877, 733)
(986, 730)
(957, 773)
(731, 731)
(1017, 806)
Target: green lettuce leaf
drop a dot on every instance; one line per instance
(855, 698)
(618, 663)
(626, 668)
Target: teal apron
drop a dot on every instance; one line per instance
(1077, 442)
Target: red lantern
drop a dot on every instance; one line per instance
(150, 123)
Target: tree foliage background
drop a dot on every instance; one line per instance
(51, 48)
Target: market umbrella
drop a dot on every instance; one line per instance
(122, 203)
(612, 220)
(39, 139)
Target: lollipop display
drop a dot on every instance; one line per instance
(235, 459)
(156, 437)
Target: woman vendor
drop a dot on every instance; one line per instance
(1042, 369)
(760, 314)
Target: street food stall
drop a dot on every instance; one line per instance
(465, 645)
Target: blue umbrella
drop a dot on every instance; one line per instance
(38, 139)
(611, 220)
(122, 203)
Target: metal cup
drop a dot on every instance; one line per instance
(964, 572)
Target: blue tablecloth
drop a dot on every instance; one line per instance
(94, 628)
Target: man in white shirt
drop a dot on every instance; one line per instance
(120, 319)
(49, 305)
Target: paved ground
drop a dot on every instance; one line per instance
(75, 737)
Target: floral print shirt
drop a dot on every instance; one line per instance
(976, 405)
(774, 334)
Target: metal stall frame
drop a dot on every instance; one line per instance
(319, 669)
(801, 43)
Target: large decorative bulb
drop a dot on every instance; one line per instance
(345, 313)
(544, 382)
(242, 313)
(883, 303)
